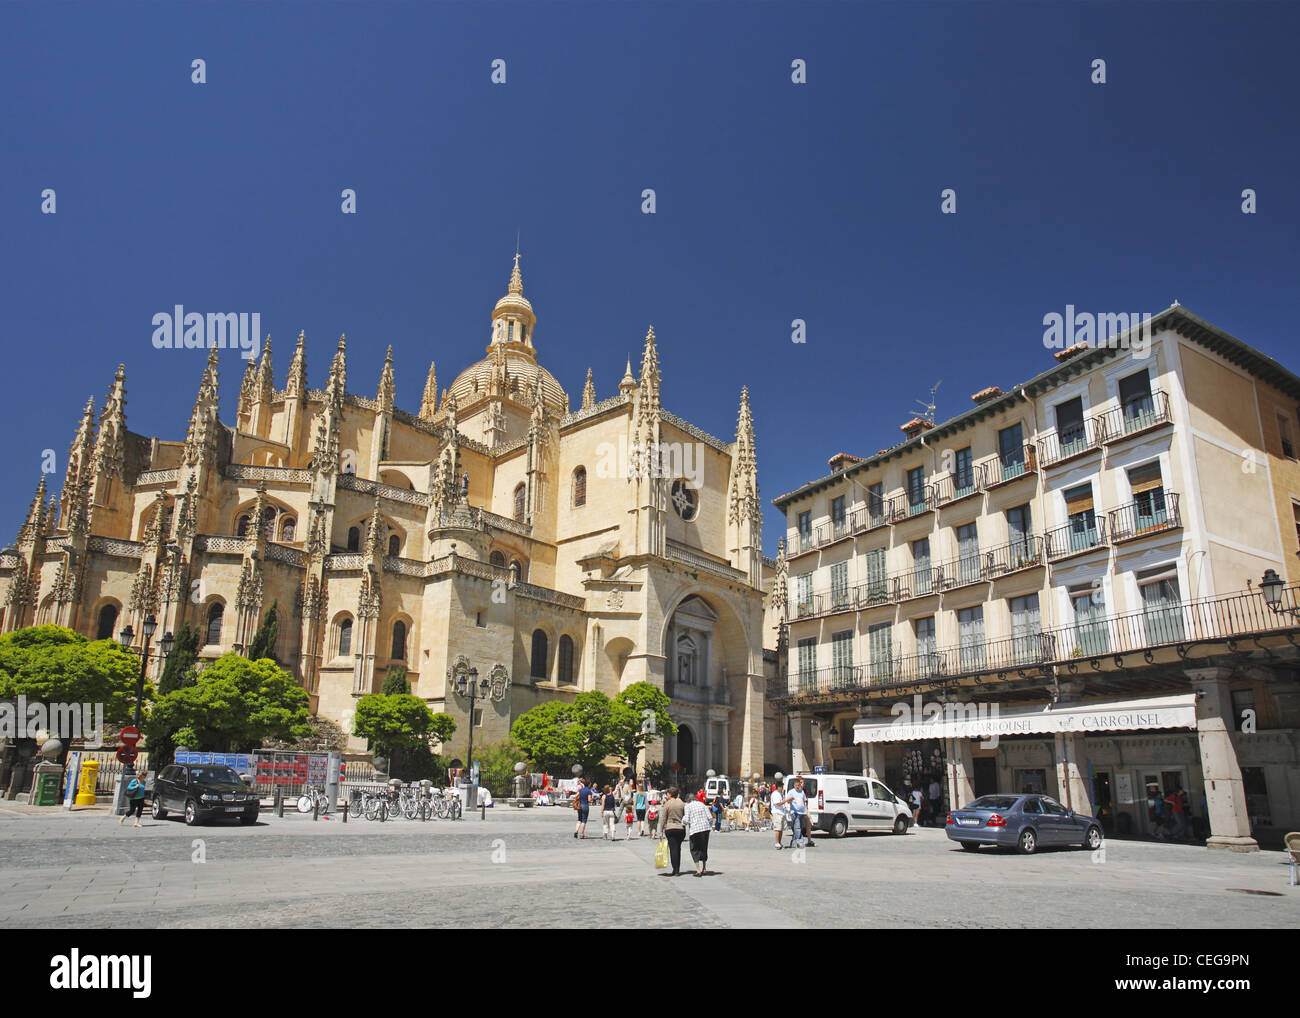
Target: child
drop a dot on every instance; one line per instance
(627, 819)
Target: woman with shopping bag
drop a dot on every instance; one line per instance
(672, 828)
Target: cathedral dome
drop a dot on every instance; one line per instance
(510, 369)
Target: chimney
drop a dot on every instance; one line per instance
(984, 395)
(841, 460)
(1070, 351)
(914, 427)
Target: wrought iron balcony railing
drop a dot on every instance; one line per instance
(1059, 445)
(913, 502)
(1136, 415)
(958, 485)
(1010, 466)
(1154, 512)
(1160, 624)
(1024, 552)
(1079, 535)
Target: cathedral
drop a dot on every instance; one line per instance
(499, 532)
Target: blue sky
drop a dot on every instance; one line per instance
(775, 201)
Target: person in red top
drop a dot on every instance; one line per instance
(1177, 803)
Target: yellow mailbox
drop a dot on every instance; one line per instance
(86, 787)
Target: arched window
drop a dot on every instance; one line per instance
(287, 530)
(538, 670)
(497, 559)
(399, 641)
(241, 526)
(519, 504)
(354, 539)
(520, 570)
(268, 523)
(216, 612)
(107, 622)
(564, 672)
(580, 487)
(394, 545)
(345, 638)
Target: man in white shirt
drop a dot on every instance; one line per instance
(777, 804)
(797, 804)
(936, 797)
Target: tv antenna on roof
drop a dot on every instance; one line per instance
(927, 409)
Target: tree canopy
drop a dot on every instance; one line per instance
(51, 664)
(232, 706)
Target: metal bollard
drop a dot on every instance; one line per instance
(345, 812)
(279, 801)
(315, 808)
(482, 809)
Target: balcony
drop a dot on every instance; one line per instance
(1151, 515)
(1134, 417)
(1204, 620)
(1059, 446)
(959, 485)
(1009, 467)
(876, 513)
(959, 572)
(919, 581)
(913, 503)
(1075, 538)
(1025, 552)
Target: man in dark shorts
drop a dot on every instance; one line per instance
(584, 805)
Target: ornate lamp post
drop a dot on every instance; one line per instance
(126, 637)
(475, 689)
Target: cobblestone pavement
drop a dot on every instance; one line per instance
(522, 868)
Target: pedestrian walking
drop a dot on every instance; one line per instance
(672, 826)
(1177, 803)
(779, 813)
(718, 808)
(135, 792)
(936, 800)
(583, 799)
(609, 815)
(639, 805)
(917, 799)
(698, 822)
(797, 804)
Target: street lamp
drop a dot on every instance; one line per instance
(126, 637)
(476, 690)
(1272, 586)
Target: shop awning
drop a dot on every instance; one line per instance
(915, 720)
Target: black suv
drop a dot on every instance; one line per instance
(203, 792)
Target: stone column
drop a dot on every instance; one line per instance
(1069, 779)
(873, 760)
(1225, 793)
(960, 770)
(800, 741)
(824, 743)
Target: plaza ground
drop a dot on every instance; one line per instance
(522, 868)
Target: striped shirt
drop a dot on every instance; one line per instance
(697, 818)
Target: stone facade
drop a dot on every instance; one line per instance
(499, 529)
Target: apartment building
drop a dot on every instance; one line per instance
(1084, 585)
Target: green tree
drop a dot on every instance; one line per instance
(263, 645)
(640, 717)
(232, 706)
(395, 681)
(51, 664)
(496, 766)
(176, 669)
(557, 735)
(401, 727)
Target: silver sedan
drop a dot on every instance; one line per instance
(1022, 822)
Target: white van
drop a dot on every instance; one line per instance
(839, 803)
(719, 785)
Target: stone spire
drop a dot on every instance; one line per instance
(265, 375)
(512, 318)
(51, 514)
(246, 388)
(110, 443)
(34, 526)
(647, 394)
(743, 497)
(628, 382)
(516, 279)
(589, 390)
(375, 532)
(387, 385)
(79, 461)
(337, 385)
(329, 422)
(201, 439)
(429, 404)
(297, 383)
